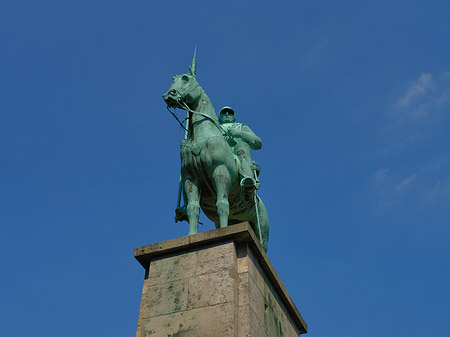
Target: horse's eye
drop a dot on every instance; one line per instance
(185, 78)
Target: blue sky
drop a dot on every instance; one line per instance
(351, 100)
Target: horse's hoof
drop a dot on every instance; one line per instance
(181, 214)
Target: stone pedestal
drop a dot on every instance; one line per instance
(218, 283)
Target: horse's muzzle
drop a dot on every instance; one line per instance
(172, 98)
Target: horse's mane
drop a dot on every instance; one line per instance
(207, 108)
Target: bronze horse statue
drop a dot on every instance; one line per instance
(209, 169)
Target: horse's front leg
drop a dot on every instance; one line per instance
(193, 204)
(222, 181)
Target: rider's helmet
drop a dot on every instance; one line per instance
(226, 115)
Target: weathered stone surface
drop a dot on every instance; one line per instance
(211, 289)
(212, 321)
(248, 324)
(266, 302)
(266, 311)
(238, 233)
(221, 286)
(216, 258)
(165, 298)
(164, 246)
(249, 299)
(172, 268)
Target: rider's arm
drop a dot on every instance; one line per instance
(248, 136)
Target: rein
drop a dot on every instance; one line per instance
(175, 116)
(186, 107)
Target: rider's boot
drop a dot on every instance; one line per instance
(249, 182)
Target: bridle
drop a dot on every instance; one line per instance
(184, 106)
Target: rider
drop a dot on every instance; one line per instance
(241, 140)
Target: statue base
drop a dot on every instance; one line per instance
(218, 283)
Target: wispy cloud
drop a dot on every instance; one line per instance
(447, 188)
(405, 182)
(413, 144)
(424, 185)
(444, 98)
(441, 190)
(435, 190)
(425, 96)
(381, 175)
(419, 87)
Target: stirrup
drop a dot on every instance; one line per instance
(249, 183)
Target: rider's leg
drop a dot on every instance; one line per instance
(193, 204)
(243, 151)
(222, 181)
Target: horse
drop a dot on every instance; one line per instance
(209, 169)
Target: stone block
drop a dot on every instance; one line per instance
(211, 321)
(210, 289)
(248, 324)
(216, 258)
(165, 298)
(172, 268)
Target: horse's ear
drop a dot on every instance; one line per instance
(191, 72)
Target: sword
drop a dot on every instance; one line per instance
(255, 198)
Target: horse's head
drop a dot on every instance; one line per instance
(183, 89)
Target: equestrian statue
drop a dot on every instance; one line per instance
(217, 172)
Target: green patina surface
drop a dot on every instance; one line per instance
(183, 333)
(217, 172)
(272, 324)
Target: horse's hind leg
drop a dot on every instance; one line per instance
(193, 204)
(221, 178)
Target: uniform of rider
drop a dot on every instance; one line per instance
(241, 140)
